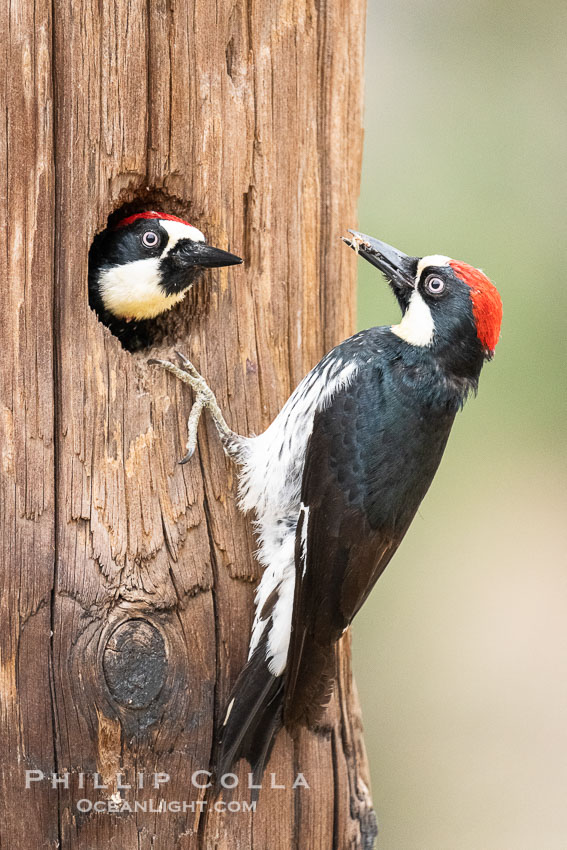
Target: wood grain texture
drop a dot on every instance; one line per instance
(27, 466)
(128, 582)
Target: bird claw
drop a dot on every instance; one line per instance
(182, 358)
(183, 369)
(186, 365)
(187, 457)
(204, 398)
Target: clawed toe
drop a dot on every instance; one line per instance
(183, 369)
(204, 398)
(182, 358)
(186, 365)
(184, 362)
(187, 457)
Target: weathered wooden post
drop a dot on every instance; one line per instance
(127, 580)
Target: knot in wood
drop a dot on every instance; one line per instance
(135, 663)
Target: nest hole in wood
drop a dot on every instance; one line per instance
(174, 324)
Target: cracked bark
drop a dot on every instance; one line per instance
(246, 119)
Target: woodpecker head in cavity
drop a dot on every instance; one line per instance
(142, 266)
(446, 304)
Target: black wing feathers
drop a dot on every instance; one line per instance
(254, 717)
(360, 492)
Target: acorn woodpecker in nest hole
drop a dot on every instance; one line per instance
(337, 478)
(143, 266)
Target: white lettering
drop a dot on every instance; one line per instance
(119, 782)
(300, 782)
(34, 776)
(197, 773)
(251, 782)
(160, 779)
(225, 780)
(60, 780)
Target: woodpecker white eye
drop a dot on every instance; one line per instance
(434, 285)
(150, 239)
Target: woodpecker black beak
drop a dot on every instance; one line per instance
(190, 255)
(398, 268)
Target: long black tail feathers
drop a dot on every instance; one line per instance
(253, 718)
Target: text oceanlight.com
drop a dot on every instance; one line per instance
(119, 806)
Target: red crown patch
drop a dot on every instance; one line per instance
(149, 214)
(487, 305)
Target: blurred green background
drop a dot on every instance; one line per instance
(461, 651)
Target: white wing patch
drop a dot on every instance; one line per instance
(227, 715)
(305, 511)
(276, 554)
(278, 639)
(417, 326)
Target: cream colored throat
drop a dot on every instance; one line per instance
(417, 326)
(133, 291)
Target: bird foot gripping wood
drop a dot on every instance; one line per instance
(204, 398)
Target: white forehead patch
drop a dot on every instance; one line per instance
(133, 291)
(435, 260)
(417, 326)
(177, 230)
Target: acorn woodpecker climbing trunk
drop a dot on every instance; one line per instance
(127, 580)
